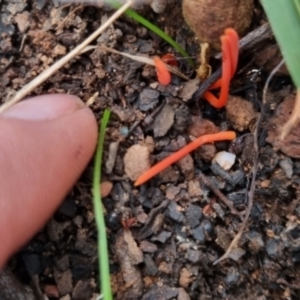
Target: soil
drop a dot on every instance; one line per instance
(164, 236)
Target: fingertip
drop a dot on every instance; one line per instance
(44, 107)
(41, 159)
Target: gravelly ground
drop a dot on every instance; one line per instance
(180, 225)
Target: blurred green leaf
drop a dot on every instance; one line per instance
(103, 257)
(284, 18)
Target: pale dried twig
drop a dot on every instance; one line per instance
(237, 237)
(51, 70)
(294, 118)
(274, 71)
(139, 58)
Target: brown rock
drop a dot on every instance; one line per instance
(186, 277)
(146, 246)
(183, 295)
(136, 161)
(201, 126)
(165, 267)
(209, 18)
(51, 291)
(240, 113)
(83, 289)
(63, 281)
(168, 175)
(207, 152)
(163, 121)
(22, 21)
(269, 57)
(59, 50)
(195, 188)
(105, 188)
(186, 165)
(172, 191)
(291, 144)
(129, 256)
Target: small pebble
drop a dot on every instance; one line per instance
(198, 234)
(148, 99)
(136, 161)
(148, 247)
(150, 266)
(194, 256)
(112, 155)
(186, 277)
(124, 131)
(225, 159)
(240, 113)
(236, 253)
(194, 188)
(219, 210)
(194, 215)
(208, 228)
(265, 183)
(162, 236)
(183, 295)
(256, 242)
(163, 121)
(232, 277)
(201, 127)
(174, 214)
(206, 152)
(105, 188)
(287, 165)
(274, 247)
(186, 165)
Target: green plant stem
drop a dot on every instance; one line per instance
(103, 257)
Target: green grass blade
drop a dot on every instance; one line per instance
(99, 214)
(284, 19)
(137, 17)
(160, 33)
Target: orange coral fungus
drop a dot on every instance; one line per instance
(230, 49)
(159, 167)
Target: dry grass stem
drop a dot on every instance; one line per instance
(294, 118)
(139, 58)
(266, 87)
(56, 66)
(220, 195)
(234, 242)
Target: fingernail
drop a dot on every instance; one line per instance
(46, 107)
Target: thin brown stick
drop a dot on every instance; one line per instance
(237, 237)
(219, 194)
(51, 70)
(234, 242)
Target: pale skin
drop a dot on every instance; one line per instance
(46, 143)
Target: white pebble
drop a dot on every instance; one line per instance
(224, 159)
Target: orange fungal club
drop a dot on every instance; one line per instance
(163, 74)
(230, 50)
(160, 166)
